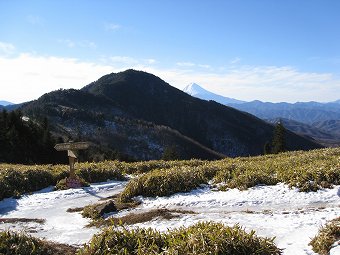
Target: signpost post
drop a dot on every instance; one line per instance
(72, 148)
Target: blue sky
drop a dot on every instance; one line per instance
(246, 49)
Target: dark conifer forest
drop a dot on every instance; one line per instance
(26, 142)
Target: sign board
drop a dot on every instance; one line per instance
(71, 146)
(72, 154)
(73, 182)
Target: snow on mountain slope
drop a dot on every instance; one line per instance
(195, 90)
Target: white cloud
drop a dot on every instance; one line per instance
(26, 77)
(6, 48)
(266, 83)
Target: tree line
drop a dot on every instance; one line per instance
(23, 141)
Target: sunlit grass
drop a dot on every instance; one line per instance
(12, 243)
(308, 171)
(201, 238)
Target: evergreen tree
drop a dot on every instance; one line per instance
(267, 148)
(170, 153)
(278, 144)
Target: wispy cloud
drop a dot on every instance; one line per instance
(87, 44)
(73, 44)
(191, 65)
(185, 64)
(129, 62)
(150, 61)
(67, 42)
(6, 48)
(123, 60)
(235, 60)
(112, 26)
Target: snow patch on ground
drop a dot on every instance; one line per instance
(293, 217)
(335, 249)
(60, 226)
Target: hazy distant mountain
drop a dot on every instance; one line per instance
(140, 115)
(308, 112)
(326, 133)
(331, 126)
(5, 103)
(8, 105)
(195, 90)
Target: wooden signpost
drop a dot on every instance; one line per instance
(72, 148)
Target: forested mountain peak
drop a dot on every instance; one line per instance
(140, 115)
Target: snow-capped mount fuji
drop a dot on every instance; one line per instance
(196, 90)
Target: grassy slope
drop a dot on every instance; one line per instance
(12, 243)
(308, 171)
(201, 238)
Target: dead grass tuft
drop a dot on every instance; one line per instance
(16, 220)
(134, 218)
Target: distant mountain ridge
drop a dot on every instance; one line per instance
(311, 119)
(308, 112)
(140, 115)
(327, 133)
(5, 103)
(305, 112)
(331, 126)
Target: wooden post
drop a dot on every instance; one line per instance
(72, 157)
(71, 148)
